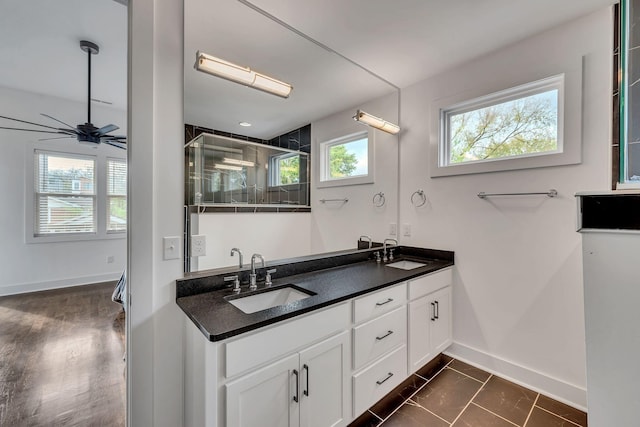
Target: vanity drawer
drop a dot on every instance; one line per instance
(376, 337)
(379, 302)
(373, 383)
(431, 282)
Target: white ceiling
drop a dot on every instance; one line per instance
(403, 41)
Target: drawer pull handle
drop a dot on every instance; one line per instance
(437, 315)
(380, 338)
(384, 302)
(380, 382)
(433, 312)
(295, 398)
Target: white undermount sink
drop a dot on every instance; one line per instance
(406, 265)
(272, 298)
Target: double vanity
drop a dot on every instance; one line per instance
(327, 339)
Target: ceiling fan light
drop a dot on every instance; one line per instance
(243, 75)
(376, 122)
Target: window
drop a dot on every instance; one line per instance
(517, 122)
(346, 160)
(626, 166)
(64, 194)
(285, 169)
(116, 195)
(80, 195)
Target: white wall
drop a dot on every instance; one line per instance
(518, 297)
(156, 181)
(273, 235)
(29, 267)
(335, 225)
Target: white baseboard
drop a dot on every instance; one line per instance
(57, 284)
(554, 388)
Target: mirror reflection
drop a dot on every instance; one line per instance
(328, 90)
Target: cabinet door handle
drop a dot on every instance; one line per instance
(306, 390)
(380, 338)
(380, 382)
(384, 302)
(433, 312)
(295, 398)
(437, 312)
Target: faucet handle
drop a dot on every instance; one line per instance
(267, 279)
(390, 254)
(377, 254)
(236, 282)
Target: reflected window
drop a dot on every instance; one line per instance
(285, 169)
(346, 160)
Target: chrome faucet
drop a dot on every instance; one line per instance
(384, 249)
(367, 238)
(234, 250)
(252, 277)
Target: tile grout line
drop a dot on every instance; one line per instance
(531, 410)
(432, 413)
(374, 414)
(559, 416)
(466, 375)
(494, 414)
(427, 381)
(471, 400)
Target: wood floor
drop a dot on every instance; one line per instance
(61, 358)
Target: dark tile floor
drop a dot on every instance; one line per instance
(447, 392)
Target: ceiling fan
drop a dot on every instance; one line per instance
(85, 133)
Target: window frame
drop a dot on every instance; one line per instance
(110, 196)
(547, 64)
(37, 194)
(274, 169)
(323, 161)
(69, 149)
(497, 98)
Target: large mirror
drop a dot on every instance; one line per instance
(328, 89)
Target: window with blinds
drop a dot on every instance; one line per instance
(116, 195)
(65, 194)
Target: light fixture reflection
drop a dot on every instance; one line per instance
(376, 122)
(243, 75)
(238, 162)
(227, 167)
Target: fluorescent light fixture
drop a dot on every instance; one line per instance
(244, 124)
(376, 122)
(238, 162)
(227, 167)
(243, 75)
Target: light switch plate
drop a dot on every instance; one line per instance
(198, 245)
(406, 230)
(393, 229)
(171, 247)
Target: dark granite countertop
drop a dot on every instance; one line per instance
(218, 319)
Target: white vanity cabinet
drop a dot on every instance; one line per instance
(324, 368)
(429, 317)
(305, 389)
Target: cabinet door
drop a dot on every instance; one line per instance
(420, 315)
(266, 397)
(324, 383)
(441, 325)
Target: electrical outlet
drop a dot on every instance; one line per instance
(110, 259)
(171, 246)
(198, 245)
(406, 230)
(393, 229)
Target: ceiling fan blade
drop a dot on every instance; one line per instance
(115, 144)
(59, 137)
(35, 130)
(59, 121)
(106, 129)
(29, 123)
